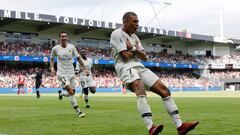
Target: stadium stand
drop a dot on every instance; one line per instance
(181, 59)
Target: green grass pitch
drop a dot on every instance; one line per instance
(116, 114)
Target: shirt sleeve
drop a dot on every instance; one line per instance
(77, 66)
(53, 53)
(75, 52)
(91, 62)
(118, 42)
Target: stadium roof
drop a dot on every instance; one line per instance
(44, 22)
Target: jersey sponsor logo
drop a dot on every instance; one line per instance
(64, 59)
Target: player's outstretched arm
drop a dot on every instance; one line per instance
(81, 64)
(52, 65)
(83, 67)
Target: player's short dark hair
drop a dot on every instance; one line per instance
(61, 33)
(83, 51)
(127, 15)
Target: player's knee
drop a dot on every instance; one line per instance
(74, 91)
(160, 89)
(138, 84)
(165, 93)
(140, 93)
(85, 91)
(93, 90)
(139, 90)
(69, 90)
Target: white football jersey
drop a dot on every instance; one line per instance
(65, 57)
(118, 43)
(88, 64)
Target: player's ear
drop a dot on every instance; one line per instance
(124, 21)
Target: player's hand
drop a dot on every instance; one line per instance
(76, 72)
(86, 72)
(52, 70)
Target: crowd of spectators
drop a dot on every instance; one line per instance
(104, 78)
(179, 79)
(171, 58)
(226, 59)
(25, 49)
(44, 49)
(108, 77)
(223, 74)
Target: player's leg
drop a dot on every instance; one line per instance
(172, 109)
(159, 88)
(136, 85)
(18, 89)
(92, 90)
(37, 90)
(73, 85)
(69, 84)
(63, 93)
(84, 86)
(91, 84)
(123, 89)
(22, 86)
(85, 95)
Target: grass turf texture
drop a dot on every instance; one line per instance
(116, 114)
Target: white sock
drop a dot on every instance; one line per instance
(172, 110)
(86, 99)
(64, 93)
(145, 111)
(74, 103)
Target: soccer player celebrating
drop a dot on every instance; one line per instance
(127, 50)
(86, 80)
(65, 53)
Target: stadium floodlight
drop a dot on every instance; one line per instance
(153, 1)
(221, 20)
(157, 13)
(167, 3)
